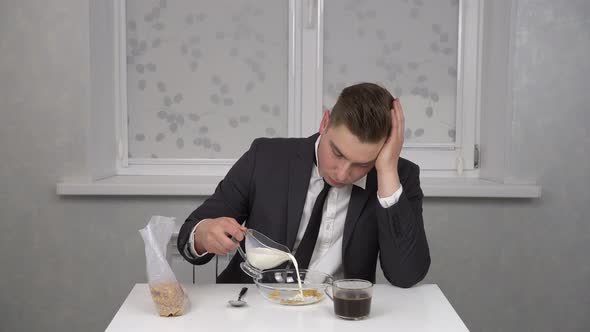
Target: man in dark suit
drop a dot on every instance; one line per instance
(339, 199)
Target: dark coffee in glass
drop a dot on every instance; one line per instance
(352, 298)
(352, 305)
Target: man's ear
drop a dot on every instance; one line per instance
(325, 122)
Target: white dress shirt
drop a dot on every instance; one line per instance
(327, 254)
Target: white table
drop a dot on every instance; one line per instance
(422, 308)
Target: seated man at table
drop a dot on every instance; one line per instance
(339, 199)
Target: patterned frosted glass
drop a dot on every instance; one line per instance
(204, 78)
(408, 47)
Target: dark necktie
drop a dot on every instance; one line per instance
(310, 237)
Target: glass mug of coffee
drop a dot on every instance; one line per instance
(352, 298)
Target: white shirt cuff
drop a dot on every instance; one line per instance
(191, 243)
(391, 200)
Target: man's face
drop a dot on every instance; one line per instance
(343, 159)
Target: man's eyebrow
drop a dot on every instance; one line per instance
(335, 148)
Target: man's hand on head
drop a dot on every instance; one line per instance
(386, 163)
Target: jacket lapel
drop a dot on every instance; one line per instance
(358, 199)
(299, 175)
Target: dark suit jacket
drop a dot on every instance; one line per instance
(267, 187)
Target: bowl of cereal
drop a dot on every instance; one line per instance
(281, 286)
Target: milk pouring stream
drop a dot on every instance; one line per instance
(266, 258)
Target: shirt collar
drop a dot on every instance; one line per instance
(361, 183)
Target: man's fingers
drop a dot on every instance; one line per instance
(219, 234)
(232, 228)
(218, 249)
(224, 245)
(227, 228)
(401, 112)
(238, 234)
(400, 119)
(214, 247)
(394, 122)
(228, 244)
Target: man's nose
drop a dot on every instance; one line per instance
(342, 173)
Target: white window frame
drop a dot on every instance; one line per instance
(305, 75)
(102, 176)
(436, 160)
(197, 166)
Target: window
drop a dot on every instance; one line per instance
(414, 48)
(204, 78)
(168, 82)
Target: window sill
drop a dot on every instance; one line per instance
(143, 185)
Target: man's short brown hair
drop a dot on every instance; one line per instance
(365, 109)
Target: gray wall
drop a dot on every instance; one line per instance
(506, 265)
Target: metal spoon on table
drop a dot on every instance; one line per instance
(239, 302)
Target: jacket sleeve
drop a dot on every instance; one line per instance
(403, 248)
(230, 199)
